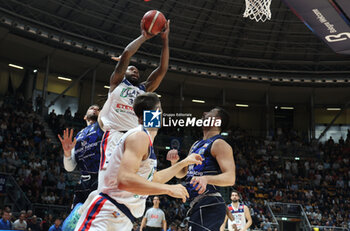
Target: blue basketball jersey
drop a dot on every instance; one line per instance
(209, 166)
(87, 149)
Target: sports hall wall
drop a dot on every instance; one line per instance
(254, 118)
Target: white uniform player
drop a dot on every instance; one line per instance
(130, 173)
(238, 215)
(242, 219)
(103, 211)
(117, 116)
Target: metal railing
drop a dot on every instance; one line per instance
(15, 195)
(42, 209)
(290, 210)
(274, 224)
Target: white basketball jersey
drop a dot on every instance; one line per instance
(135, 203)
(117, 112)
(238, 215)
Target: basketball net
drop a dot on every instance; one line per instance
(258, 10)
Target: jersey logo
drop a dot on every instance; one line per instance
(129, 92)
(125, 107)
(115, 214)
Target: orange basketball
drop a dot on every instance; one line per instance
(153, 22)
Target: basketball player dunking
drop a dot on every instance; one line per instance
(117, 115)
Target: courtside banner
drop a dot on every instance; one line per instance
(328, 19)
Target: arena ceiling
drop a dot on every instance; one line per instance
(204, 33)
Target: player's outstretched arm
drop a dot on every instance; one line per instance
(165, 175)
(155, 78)
(248, 217)
(136, 149)
(68, 146)
(173, 157)
(124, 60)
(223, 153)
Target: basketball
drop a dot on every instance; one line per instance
(153, 22)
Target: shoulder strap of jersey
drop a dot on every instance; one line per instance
(142, 87)
(152, 155)
(125, 81)
(193, 147)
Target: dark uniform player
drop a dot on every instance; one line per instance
(84, 152)
(208, 208)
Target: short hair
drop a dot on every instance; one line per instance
(5, 211)
(146, 101)
(238, 193)
(225, 118)
(96, 105)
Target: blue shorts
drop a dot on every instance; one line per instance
(208, 214)
(84, 188)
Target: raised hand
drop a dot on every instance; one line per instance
(178, 191)
(165, 33)
(173, 156)
(66, 141)
(144, 33)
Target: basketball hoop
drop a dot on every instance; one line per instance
(258, 10)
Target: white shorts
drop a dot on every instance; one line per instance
(108, 146)
(103, 215)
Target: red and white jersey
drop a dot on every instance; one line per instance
(118, 113)
(238, 215)
(135, 203)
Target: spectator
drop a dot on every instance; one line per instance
(68, 114)
(34, 224)
(20, 223)
(61, 186)
(5, 223)
(172, 227)
(56, 226)
(38, 103)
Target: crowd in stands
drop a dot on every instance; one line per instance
(26, 220)
(30, 157)
(320, 183)
(266, 168)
